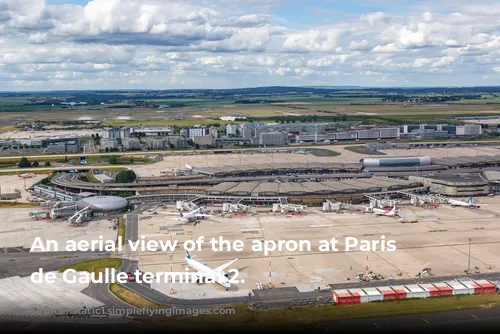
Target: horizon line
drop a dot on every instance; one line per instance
(325, 87)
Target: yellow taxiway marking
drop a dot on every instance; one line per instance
(426, 320)
(474, 317)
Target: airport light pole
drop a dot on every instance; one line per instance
(171, 287)
(468, 267)
(270, 270)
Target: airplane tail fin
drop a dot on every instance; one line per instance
(187, 255)
(180, 213)
(18, 174)
(469, 200)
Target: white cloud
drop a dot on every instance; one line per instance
(312, 41)
(160, 44)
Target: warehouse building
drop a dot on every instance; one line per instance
(459, 185)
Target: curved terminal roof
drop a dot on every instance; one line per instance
(103, 203)
(467, 160)
(309, 188)
(396, 161)
(278, 167)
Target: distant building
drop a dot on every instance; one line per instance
(469, 130)
(63, 147)
(44, 141)
(125, 132)
(422, 134)
(273, 138)
(153, 130)
(347, 135)
(109, 144)
(232, 129)
(231, 118)
(314, 138)
(368, 134)
(7, 142)
(155, 143)
(131, 143)
(207, 140)
(177, 141)
(389, 133)
(196, 132)
(232, 141)
(110, 133)
(103, 178)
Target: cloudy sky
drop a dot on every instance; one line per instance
(163, 44)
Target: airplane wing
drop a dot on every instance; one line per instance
(220, 268)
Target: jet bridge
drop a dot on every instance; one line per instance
(81, 216)
(189, 206)
(419, 200)
(376, 202)
(44, 214)
(59, 211)
(331, 206)
(284, 208)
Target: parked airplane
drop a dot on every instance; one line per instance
(25, 176)
(193, 215)
(217, 275)
(469, 203)
(384, 212)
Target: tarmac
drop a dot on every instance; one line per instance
(438, 241)
(20, 230)
(179, 161)
(47, 133)
(11, 183)
(41, 298)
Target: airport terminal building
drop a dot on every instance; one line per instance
(455, 185)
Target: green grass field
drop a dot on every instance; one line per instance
(133, 298)
(322, 152)
(362, 150)
(309, 317)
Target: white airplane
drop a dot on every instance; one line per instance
(193, 215)
(25, 176)
(385, 212)
(469, 203)
(216, 275)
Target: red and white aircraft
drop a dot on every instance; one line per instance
(25, 176)
(386, 212)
